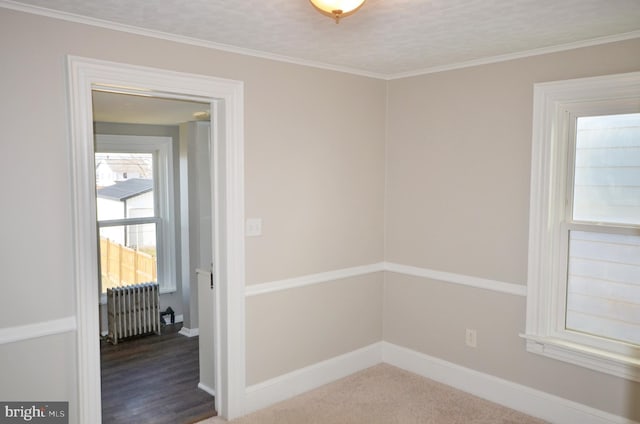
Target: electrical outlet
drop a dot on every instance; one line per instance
(471, 338)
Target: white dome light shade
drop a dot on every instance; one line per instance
(337, 9)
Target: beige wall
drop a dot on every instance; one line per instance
(40, 369)
(314, 143)
(315, 171)
(457, 200)
(330, 319)
(431, 317)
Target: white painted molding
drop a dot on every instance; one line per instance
(206, 389)
(38, 329)
(623, 366)
(226, 99)
(323, 277)
(302, 380)
(189, 332)
(310, 279)
(518, 55)
(466, 280)
(555, 105)
(512, 395)
(70, 17)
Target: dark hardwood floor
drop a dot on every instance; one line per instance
(153, 379)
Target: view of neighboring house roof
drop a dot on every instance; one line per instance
(112, 167)
(123, 190)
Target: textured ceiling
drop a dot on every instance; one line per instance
(385, 38)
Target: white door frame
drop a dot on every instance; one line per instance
(226, 98)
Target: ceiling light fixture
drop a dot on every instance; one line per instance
(337, 9)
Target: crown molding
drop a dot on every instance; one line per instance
(518, 55)
(71, 17)
(101, 23)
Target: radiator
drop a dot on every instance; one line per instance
(133, 310)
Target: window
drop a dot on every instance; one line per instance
(583, 301)
(134, 199)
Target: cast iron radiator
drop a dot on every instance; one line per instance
(133, 310)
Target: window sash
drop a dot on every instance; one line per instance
(161, 148)
(586, 111)
(560, 317)
(570, 224)
(129, 221)
(550, 220)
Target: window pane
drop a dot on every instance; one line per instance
(128, 255)
(607, 169)
(124, 185)
(603, 288)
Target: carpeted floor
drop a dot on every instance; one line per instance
(384, 394)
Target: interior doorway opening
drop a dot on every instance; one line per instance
(154, 212)
(225, 98)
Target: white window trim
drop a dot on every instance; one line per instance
(161, 147)
(549, 170)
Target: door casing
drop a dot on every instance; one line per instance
(226, 98)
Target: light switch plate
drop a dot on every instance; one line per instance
(253, 227)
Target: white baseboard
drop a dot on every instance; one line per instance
(189, 332)
(512, 395)
(206, 389)
(530, 401)
(294, 383)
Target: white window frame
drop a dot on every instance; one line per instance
(163, 189)
(556, 105)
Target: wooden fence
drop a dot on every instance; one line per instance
(121, 266)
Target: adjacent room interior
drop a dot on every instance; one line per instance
(153, 204)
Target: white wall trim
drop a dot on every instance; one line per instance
(206, 389)
(518, 55)
(512, 395)
(447, 277)
(101, 23)
(302, 380)
(465, 280)
(38, 329)
(324, 277)
(71, 17)
(306, 280)
(189, 332)
(556, 104)
(226, 99)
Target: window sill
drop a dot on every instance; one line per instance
(596, 359)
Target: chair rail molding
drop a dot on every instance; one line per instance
(447, 277)
(38, 329)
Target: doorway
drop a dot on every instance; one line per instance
(225, 99)
(153, 193)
